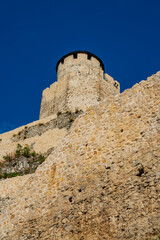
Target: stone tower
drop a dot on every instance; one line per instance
(81, 83)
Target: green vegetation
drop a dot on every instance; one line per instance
(68, 112)
(26, 151)
(71, 120)
(59, 113)
(18, 150)
(19, 133)
(33, 154)
(41, 158)
(10, 175)
(7, 158)
(34, 160)
(1, 164)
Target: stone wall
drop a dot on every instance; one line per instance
(35, 140)
(101, 182)
(80, 84)
(45, 135)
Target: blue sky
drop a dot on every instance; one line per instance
(34, 34)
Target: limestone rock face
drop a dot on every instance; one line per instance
(101, 182)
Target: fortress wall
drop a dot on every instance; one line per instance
(47, 102)
(108, 87)
(10, 186)
(61, 94)
(103, 179)
(41, 142)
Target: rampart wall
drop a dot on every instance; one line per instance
(101, 182)
(42, 138)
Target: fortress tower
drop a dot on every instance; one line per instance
(81, 83)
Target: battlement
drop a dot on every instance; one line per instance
(113, 82)
(79, 55)
(81, 83)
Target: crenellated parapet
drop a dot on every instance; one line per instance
(81, 83)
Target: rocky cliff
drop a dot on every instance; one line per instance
(101, 182)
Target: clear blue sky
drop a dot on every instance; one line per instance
(34, 34)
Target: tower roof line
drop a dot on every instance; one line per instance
(76, 52)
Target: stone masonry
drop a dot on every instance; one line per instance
(81, 83)
(102, 181)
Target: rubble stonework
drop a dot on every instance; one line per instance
(101, 182)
